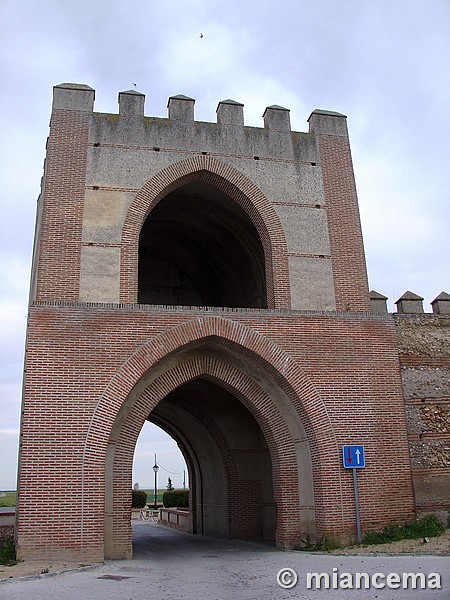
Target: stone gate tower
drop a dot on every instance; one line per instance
(208, 277)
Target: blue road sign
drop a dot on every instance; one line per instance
(353, 457)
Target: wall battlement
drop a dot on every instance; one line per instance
(411, 303)
(74, 96)
(180, 131)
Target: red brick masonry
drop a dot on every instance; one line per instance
(341, 372)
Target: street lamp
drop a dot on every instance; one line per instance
(155, 471)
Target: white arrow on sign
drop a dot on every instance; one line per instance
(357, 452)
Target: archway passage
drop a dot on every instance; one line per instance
(230, 469)
(235, 457)
(197, 247)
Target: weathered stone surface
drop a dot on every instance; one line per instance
(426, 454)
(426, 382)
(423, 335)
(436, 417)
(305, 229)
(432, 490)
(424, 345)
(428, 418)
(414, 422)
(99, 281)
(103, 215)
(311, 284)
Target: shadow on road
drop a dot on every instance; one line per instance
(157, 542)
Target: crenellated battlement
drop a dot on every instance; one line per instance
(230, 113)
(410, 303)
(73, 96)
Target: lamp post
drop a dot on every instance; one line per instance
(155, 471)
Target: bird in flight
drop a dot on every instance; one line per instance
(201, 35)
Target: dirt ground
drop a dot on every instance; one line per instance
(35, 568)
(437, 545)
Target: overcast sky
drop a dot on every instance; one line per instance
(383, 63)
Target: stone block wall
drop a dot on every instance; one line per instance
(424, 350)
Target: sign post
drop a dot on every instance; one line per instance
(353, 458)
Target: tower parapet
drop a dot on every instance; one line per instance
(441, 304)
(277, 118)
(378, 302)
(131, 103)
(230, 112)
(410, 303)
(181, 108)
(328, 122)
(73, 96)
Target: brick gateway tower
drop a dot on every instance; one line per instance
(210, 278)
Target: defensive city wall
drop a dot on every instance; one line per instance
(211, 278)
(423, 341)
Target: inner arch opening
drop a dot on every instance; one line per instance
(223, 368)
(197, 247)
(154, 440)
(230, 469)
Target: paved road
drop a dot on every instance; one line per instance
(171, 566)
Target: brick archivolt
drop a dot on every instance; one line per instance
(255, 370)
(242, 342)
(236, 186)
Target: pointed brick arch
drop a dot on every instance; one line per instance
(279, 364)
(290, 528)
(111, 414)
(236, 186)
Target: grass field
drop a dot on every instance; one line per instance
(7, 501)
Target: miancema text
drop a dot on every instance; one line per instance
(357, 581)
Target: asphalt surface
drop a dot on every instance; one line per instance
(168, 565)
